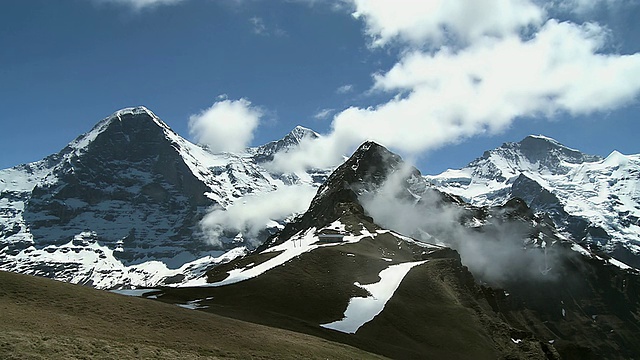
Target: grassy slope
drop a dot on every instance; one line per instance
(45, 319)
(435, 313)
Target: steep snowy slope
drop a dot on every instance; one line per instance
(121, 204)
(595, 201)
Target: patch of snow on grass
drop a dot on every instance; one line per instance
(134, 292)
(192, 305)
(362, 310)
(288, 250)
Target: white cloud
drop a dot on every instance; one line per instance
(252, 214)
(259, 28)
(435, 20)
(323, 114)
(322, 153)
(485, 87)
(587, 7)
(140, 4)
(446, 96)
(228, 125)
(344, 89)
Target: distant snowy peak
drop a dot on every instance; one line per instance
(300, 132)
(534, 153)
(595, 201)
(500, 167)
(266, 152)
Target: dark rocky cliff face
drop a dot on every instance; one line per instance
(129, 185)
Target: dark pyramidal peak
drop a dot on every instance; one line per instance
(366, 169)
(124, 171)
(128, 197)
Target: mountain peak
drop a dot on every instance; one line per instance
(534, 152)
(367, 169)
(126, 122)
(266, 152)
(616, 158)
(541, 142)
(136, 110)
(300, 132)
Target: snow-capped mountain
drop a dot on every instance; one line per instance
(121, 204)
(594, 201)
(513, 288)
(381, 259)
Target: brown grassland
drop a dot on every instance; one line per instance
(46, 319)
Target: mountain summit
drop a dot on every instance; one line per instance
(338, 273)
(126, 199)
(266, 152)
(594, 201)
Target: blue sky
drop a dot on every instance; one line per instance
(65, 65)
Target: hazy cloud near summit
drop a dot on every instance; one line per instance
(228, 125)
(501, 253)
(251, 214)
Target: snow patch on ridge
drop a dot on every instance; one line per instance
(361, 310)
(288, 250)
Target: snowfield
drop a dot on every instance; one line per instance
(362, 310)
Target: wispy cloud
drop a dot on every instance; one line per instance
(323, 114)
(142, 4)
(497, 255)
(254, 213)
(588, 7)
(228, 125)
(259, 27)
(344, 89)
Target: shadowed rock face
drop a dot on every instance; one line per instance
(122, 204)
(129, 184)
